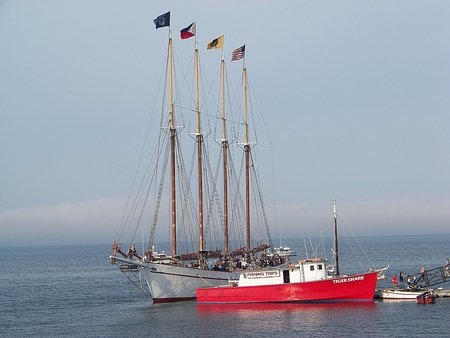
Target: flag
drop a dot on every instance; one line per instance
(216, 43)
(163, 20)
(238, 53)
(188, 32)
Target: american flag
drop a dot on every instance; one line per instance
(238, 53)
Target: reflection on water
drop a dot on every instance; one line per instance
(306, 319)
(260, 308)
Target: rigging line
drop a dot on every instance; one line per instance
(142, 212)
(323, 245)
(230, 101)
(184, 81)
(213, 195)
(124, 222)
(187, 200)
(261, 201)
(237, 216)
(357, 242)
(237, 199)
(353, 251)
(148, 171)
(306, 247)
(191, 92)
(159, 195)
(217, 76)
(205, 97)
(199, 276)
(317, 249)
(209, 93)
(312, 247)
(148, 176)
(209, 115)
(207, 201)
(177, 99)
(273, 190)
(143, 289)
(259, 110)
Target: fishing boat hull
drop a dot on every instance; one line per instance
(355, 288)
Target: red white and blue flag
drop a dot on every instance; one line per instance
(238, 53)
(188, 32)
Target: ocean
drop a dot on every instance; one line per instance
(74, 291)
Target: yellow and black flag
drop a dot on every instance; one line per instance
(216, 43)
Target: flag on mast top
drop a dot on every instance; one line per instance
(188, 32)
(163, 20)
(217, 43)
(238, 53)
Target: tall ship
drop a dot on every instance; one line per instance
(194, 192)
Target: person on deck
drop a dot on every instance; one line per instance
(394, 281)
(423, 272)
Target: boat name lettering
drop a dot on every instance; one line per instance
(262, 274)
(348, 279)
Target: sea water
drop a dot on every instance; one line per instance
(74, 291)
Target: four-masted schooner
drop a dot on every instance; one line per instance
(176, 277)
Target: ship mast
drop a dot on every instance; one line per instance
(199, 152)
(336, 249)
(247, 162)
(225, 159)
(172, 153)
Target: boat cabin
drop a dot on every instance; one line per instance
(305, 271)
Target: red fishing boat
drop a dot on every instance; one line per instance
(306, 281)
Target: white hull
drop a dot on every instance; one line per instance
(400, 294)
(168, 283)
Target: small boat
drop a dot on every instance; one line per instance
(162, 256)
(426, 298)
(399, 294)
(307, 281)
(283, 251)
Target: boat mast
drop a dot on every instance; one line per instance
(247, 162)
(225, 159)
(336, 250)
(172, 153)
(199, 152)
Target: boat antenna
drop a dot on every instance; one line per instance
(336, 250)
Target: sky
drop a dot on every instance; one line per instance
(355, 96)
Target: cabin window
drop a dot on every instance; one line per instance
(319, 267)
(311, 268)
